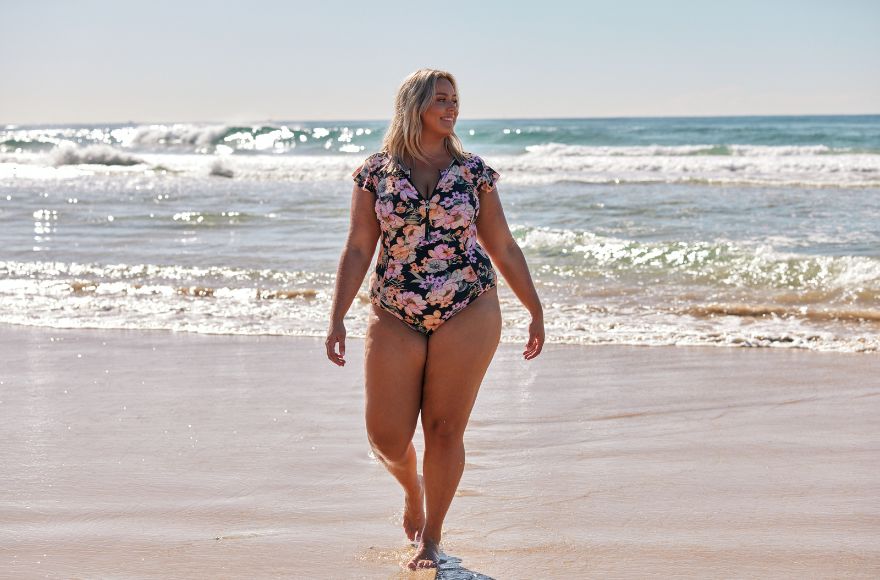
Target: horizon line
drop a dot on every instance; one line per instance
(375, 120)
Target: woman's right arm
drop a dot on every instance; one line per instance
(363, 233)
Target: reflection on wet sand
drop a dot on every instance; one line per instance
(174, 455)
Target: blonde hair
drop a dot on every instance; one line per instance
(404, 134)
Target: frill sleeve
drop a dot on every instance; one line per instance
(365, 175)
(485, 176)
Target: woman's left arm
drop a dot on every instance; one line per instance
(494, 235)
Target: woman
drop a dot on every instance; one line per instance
(435, 320)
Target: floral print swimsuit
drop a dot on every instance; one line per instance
(430, 265)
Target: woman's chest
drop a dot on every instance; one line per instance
(425, 182)
(450, 203)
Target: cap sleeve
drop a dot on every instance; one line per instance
(485, 176)
(365, 175)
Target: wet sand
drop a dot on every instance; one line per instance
(159, 455)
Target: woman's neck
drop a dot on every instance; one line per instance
(434, 146)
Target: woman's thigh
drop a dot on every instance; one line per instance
(459, 352)
(394, 365)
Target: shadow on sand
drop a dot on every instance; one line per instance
(450, 568)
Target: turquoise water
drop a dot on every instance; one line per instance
(758, 231)
(850, 134)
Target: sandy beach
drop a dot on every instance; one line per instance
(137, 454)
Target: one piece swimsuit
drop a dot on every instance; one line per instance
(430, 265)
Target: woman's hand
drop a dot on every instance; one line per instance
(336, 335)
(536, 338)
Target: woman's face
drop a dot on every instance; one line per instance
(442, 113)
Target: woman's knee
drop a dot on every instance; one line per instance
(443, 432)
(389, 447)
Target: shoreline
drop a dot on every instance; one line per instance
(508, 338)
(14, 125)
(164, 454)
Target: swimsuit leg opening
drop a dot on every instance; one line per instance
(400, 317)
(483, 290)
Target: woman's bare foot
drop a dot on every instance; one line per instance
(427, 556)
(414, 513)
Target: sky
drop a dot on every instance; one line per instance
(93, 61)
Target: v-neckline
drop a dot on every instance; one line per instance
(408, 174)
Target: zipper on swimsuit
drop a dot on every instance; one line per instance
(427, 219)
(423, 200)
(442, 174)
(427, 201)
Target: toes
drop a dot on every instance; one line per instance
(418, 563)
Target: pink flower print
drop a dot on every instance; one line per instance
(446, 183)
(432, 321)
(388, 220)
(413, 234)
(430, 242)
(441, 219)
(441, 252)
(469, 275)
(470, 242)
(394, 222)
(411, 303)
(442, 296)
(384, 209)
(466, 174)
(434, 203)
(409, 193)
(389, 294)
(393, 269)
(456, 307)
(400, 250)
(459, 215)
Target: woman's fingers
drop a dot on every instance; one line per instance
(534, 345)
(531, 352)
(330, 344)
(336, 336)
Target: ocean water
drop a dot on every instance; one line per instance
(745, 231)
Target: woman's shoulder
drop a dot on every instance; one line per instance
(472, 160)
(376, 157)
(484, 176)
(376, 161)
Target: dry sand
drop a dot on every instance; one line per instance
(132, 454)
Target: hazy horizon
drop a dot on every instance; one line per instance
(460, 119)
